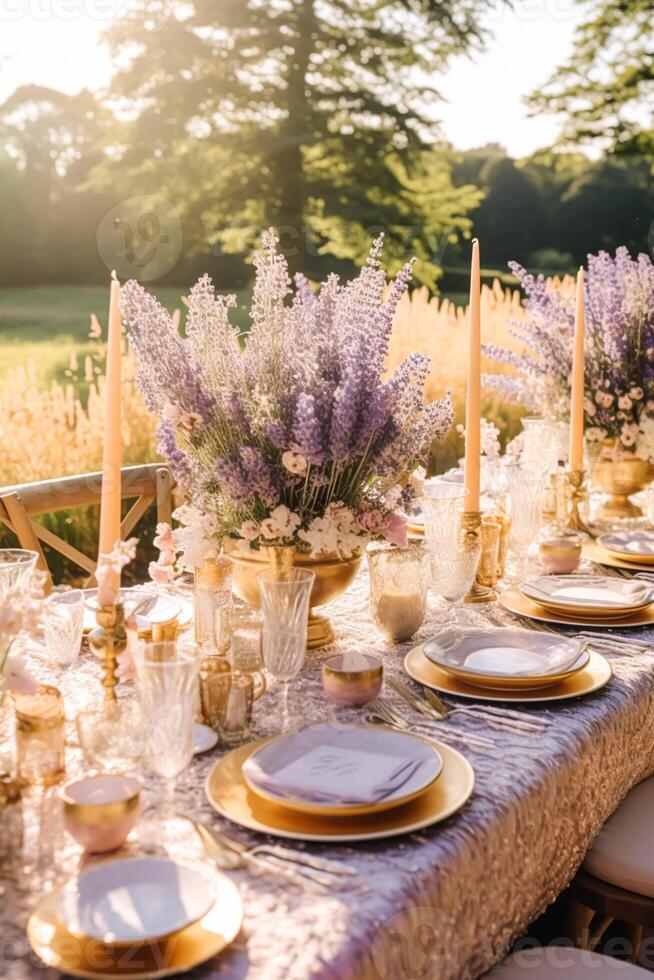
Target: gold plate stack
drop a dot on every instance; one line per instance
(229, 794)
(588, 679)
(79, 956)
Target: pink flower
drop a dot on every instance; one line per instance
(164, 540)
(371, 521)
(191, 421)
(395, 530)
(161, 574)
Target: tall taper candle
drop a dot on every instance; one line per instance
(110, 497)
(473, 392)
(577, 389)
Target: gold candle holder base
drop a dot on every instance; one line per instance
(107, 641)
(471, 524)
(577, 497)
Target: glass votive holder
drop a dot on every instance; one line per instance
(213, 603)
(398, 589)
(40, 736)
(245, 650)
(490, 535)
(63, 623)
(352, 679)
(227, 698)
(559, 550)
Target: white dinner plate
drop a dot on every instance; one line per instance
(506, 659)
(204, 738)
(633, 545)
(136, 900)
(340, 770)
(588, 594)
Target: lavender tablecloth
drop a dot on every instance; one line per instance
(443, 904)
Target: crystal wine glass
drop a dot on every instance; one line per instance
(285, 607)
(167, 680)
(526, 486)
(441, 506)
(63, 626)
(454, 562)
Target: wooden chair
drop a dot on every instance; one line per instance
(149, 484)
(616, 882)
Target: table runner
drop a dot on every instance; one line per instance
(442, 904)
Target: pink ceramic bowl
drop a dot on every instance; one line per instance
(100, 811)
(354, 688)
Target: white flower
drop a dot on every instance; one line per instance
(295, 462)
(191, 421)
(281, 523)
(624, 403)
(193, 545)
(188, 515)
(417, 479)
(249, 530)
(594, 433)
(645, 438)
(636, 393)
(589, 407)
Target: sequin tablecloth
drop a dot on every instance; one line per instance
(445, 903)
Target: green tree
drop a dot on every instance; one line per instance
(313, 116)
(606, 89)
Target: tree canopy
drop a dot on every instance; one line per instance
(606, 89)
(317, 116)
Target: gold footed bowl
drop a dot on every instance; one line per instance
(333, 576)
(620, 478)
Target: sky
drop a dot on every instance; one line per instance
(57, 43)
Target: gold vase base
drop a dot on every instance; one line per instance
(480, 593)
(619, 507)
(320, 632)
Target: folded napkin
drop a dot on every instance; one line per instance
(340, 764)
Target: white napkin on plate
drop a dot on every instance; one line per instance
(338, 764)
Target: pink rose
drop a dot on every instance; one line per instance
(395, 530)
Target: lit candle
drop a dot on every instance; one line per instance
(577, 392)
(473, 393)
(110, 495)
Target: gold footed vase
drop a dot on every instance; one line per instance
(333, 576)
(620, 478)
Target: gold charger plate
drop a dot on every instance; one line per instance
(228, 793)
(189, 947)
(592, 551)
(516, 602)
(594, 676)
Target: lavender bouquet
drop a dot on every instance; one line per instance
(292, 436)
(619, 369)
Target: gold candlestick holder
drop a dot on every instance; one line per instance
(107, 641)
(471, 525)
(577, 498)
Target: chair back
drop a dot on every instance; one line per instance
(149, 484)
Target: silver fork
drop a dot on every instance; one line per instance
(389, 714)
(312, 873)
(432, 706)
(599, 640)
